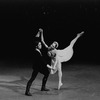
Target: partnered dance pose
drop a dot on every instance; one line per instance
(48, 60)
(39, 65)
(60, 56)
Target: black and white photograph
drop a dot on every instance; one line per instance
(49, 50)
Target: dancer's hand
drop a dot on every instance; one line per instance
(49, 66)
(41, 33)
(40, 30)
(38, 34)
(42, 38)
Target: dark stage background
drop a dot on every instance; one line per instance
(61, 21)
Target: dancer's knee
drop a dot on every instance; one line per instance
(30, 82)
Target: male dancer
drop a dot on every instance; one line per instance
(39, 65)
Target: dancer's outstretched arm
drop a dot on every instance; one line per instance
(42, 38)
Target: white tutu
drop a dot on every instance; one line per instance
(65, 54)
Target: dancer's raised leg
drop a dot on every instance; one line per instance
(75, 39)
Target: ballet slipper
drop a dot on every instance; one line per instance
(59, 86)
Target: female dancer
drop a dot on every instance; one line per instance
(59, 56)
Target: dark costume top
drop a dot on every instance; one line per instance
(40, 60)
(44, 52)
(39, 63)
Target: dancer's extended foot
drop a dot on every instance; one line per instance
(80, 34)
(60, 84)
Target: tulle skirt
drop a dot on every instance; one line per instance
(65, 54)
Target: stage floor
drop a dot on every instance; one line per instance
(80, 82)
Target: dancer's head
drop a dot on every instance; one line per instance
(39, 45)
(54, 45)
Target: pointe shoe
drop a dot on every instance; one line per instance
(80, 34)
(60, 85)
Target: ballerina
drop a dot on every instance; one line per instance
(62, 55)
(58, 56)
